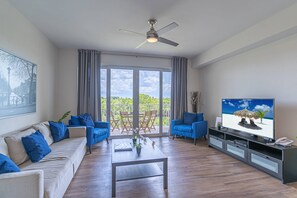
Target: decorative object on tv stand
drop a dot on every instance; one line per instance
(219, 125)
(138, 147)
(135, 135)
(17, 85)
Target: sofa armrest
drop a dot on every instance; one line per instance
(199, 128)
(75, 132)
(22, 184)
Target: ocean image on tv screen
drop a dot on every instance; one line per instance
(254, 116)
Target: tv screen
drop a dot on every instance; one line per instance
(254, 116)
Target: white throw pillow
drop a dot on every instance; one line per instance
(44, 129)
(15, 146)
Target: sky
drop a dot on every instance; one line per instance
(229, 106)
(122, 83)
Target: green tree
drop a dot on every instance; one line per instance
(261, 114)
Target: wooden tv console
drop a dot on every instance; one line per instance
(278, 161)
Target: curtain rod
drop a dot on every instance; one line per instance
(135, 54)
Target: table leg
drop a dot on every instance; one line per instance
(113, 182)
(165, 173)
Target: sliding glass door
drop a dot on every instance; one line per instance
(135, 98)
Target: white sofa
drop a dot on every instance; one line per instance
(49, 177)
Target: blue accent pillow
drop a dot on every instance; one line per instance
(189, 118)
(36, 147)
(86, 120)
(200, 117)
(59, 131)
(7, 165)
(75, 120)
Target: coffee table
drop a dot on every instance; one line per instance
(127, 165)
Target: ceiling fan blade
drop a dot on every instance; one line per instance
(167, 28)
(141, 44)
(166, 41)
(131, 32)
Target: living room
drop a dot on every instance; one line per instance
(234, 49)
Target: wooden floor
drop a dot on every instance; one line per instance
(194, 171)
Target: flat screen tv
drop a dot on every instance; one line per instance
(254, 116)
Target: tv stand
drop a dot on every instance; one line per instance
(278, 161)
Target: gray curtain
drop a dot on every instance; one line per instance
(89, 83)
(179, 87)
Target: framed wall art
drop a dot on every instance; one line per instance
(17, 85)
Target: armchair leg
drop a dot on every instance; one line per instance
(90, 149)
(195, 141)
(173, 137)
(107, 140)
(205, 137)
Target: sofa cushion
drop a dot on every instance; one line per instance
(59, 131)
(75, 120)
(58, 163)
(15, 146)
(183, 128)
(54, 171)
(86, 120)
(7, 165)
(189, 118)
(200, 117)
(45, 130)
(36, 146)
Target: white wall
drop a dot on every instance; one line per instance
(269, 72)
(66, 91)
(20, 37)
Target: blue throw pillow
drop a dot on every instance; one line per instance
(36, 147)
(7, 165)
(59, 131)
(86, 120)
(75, 120)
(189, 118)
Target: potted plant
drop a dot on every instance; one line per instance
(219, 125)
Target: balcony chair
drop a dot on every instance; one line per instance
(96, 131)
(192, 125)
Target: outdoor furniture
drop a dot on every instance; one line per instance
(114, 123)
(153, 118)
(144, 123)
(126, 122)
(192, 125)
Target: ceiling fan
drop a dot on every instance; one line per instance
(153, 36)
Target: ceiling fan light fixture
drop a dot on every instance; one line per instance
(152, 39)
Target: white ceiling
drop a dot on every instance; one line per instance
(94, 24)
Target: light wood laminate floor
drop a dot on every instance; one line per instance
(193, 171)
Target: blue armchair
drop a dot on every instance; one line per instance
(192, 125)
(96, 131)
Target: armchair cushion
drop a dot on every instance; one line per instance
(7, 165)
(75, 120)
(86, 120)
(183, 128)
(59, 131)
(189, 118)
(36, 146)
